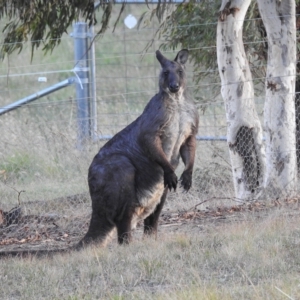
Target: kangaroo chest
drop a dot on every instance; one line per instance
(178, 127)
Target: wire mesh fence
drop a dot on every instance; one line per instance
(44, 201)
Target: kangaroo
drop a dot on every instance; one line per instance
(130, 176)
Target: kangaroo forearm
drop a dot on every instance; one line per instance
(187, 152)
(153, 148)
(160, 158)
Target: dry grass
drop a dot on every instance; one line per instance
(247, 260)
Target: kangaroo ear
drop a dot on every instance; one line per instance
(182, 56)
(161, 58)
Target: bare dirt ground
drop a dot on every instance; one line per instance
(53, 232)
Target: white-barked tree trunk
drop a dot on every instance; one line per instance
(244, 131)
(279, 111)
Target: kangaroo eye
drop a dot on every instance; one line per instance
(180, 72)
(166, 73)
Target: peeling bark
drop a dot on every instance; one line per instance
(279, 112)
(297, 108)
(244, 131)
(297, 95)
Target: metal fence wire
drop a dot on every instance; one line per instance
(44, 200)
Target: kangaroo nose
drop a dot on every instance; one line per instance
(174, 87)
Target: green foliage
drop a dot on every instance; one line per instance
(193, 25)
(44, 22)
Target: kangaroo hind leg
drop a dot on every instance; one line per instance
(151, 222)
(124, 218)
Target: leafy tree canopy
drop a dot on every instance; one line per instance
(43, 22)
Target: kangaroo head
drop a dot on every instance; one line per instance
(172, 77)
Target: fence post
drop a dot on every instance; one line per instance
(93, 96)
(81, 55)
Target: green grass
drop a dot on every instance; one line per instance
(18, 164)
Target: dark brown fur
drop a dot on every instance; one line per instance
(130, 176)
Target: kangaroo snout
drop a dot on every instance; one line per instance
(174, 87)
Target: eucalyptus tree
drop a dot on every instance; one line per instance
(244, 130)
(279, 112)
